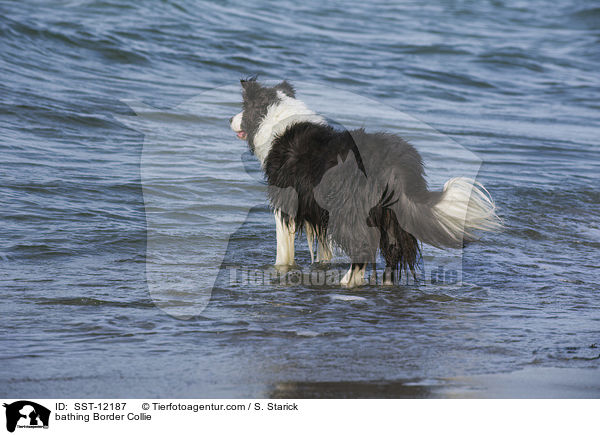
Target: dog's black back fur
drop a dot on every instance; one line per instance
(299, 159)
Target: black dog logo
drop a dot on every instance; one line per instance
(26, 413)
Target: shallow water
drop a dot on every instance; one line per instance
(104, 213)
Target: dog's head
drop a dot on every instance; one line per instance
(257, 100)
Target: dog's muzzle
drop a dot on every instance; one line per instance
(236, 125)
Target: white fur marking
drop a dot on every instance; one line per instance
(466, 206)
(285, 241)
(354, 277)
(281, 115)
(236, 122)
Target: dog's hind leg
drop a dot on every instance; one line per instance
(389, 275)
(398, 247)
(373, 280)
(286, 232)
(355, 275)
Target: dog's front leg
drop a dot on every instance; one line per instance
(285, 240)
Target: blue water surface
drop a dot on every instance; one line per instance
(515, 83)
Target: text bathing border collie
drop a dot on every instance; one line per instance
(362, 192)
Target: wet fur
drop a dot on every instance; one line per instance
(364, 192)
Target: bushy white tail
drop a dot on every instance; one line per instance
(451, 217)
(465, 206)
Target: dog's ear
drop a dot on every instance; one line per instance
(250, 87)
(286, 88)
(247, 82)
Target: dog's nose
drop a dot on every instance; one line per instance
(231, 120)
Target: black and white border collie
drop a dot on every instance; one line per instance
(362, 192)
